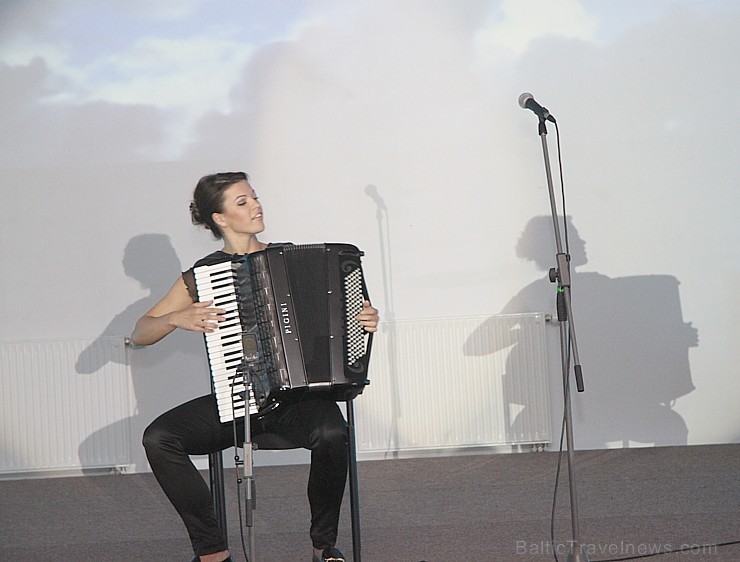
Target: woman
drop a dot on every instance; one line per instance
(226, 204)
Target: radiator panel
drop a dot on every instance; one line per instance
(55, 418)
(429, 392)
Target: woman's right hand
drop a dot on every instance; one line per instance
(176, 310)
(198, 317)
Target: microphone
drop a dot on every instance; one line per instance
(526, 101)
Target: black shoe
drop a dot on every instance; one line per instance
(330, 554)
(197, 559)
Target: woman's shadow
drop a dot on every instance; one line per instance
(164, 375)
(632, 341)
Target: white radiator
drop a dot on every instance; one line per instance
(455, 383)
(436, 385)
(65, 405)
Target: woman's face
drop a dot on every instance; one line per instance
(242, 212)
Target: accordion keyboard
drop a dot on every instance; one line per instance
(224, 345)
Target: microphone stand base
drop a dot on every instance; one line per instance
(577, 554)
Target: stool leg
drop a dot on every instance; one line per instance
(354, 499)
(216, 472)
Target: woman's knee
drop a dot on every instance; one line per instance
(155, 438)
(331, 433)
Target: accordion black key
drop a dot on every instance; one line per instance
(290, 327)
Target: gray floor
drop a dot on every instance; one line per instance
(484, 507)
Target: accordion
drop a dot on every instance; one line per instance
(290, 326)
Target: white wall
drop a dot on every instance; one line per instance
(394, 126)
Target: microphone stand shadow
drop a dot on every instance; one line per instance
(389, 311)
(568, 343)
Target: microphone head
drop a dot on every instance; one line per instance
(524, 98)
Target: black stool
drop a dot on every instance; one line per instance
(272, 442)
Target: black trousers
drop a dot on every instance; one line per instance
(193, 428)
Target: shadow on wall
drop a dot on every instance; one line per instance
(388, 307)
(632, 341)
(164, 375)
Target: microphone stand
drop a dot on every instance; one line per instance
(561, 276)
(250, 488)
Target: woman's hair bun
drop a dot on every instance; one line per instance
(195, 213)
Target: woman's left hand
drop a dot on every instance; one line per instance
(368, 317)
